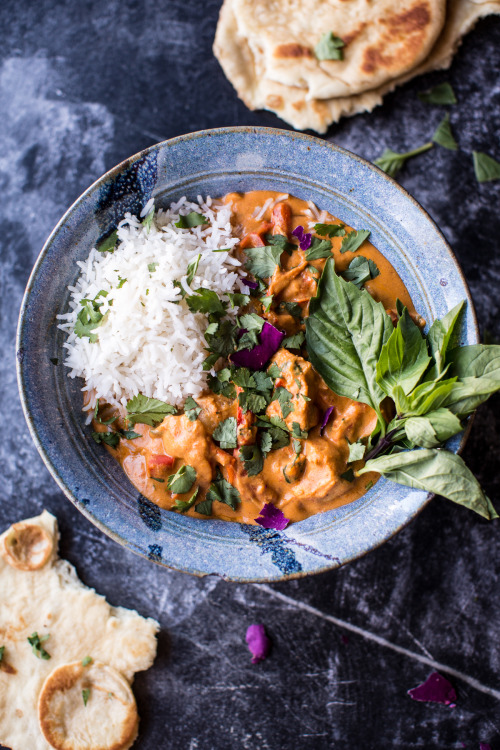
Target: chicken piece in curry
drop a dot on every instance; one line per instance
(278, 434)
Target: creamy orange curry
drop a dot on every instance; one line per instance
(311, 473)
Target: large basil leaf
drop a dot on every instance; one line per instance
(434, 428)
(437, 471)
(469, 393)
(477, 361)
(262, 261)
(345, 332)
(440, 337)
(424, 398)
(403, 359)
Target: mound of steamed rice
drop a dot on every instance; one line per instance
(149, 341)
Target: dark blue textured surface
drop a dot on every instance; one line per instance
(84, 85)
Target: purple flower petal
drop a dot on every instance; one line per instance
(272, 518)
(436, 689)
(326, 417)
(258, 643)
(256, 358)
(304, 239)
(249, 283)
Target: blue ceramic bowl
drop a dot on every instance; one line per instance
(215, 162)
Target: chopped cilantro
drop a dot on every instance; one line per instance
(354, 240)
(237, 299)
(266, 443)
(225, 433)
(192, 268)
(330, 230)
(205, 508)
(262, 381)
(295, 341)
(109, 438)
(130, 434)
(147, 410)
(267, 301)
(36, 641)
(86, 661)
(224, 492)
(85, 695)
(2, 649)
(284, 399)
(356, 451)
(121, 282)
(319, 249)
(360, 269)
(205, 301)
(297, 432)
(109, 243)
(262, 261)
(329, 47)
(89, 317)
(182, 480)
(280, 241)
(181, 506)
(190, 220)
(221, 384)
(297, 446)
(252, 458)
(152, 267)
(273, 370)
(157, 479)
(292, 308)
(191, 409)
(252, 323)
(147, 222)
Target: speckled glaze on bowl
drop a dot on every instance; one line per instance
(215, 162)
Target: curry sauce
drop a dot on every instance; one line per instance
(309, 475)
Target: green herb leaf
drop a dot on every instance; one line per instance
(190, 220)
(262, 261)
(205, 508)
(354, 240)
(130, 434)
(147, 410)
(437, 471)
(266, 443)
(225, 433)
(486, 168)
(121, 281)
(224, 492)
(359, 270)
(206, 301)
(192, 268)
(109, 438)
(89, 317)
(434, 428)
(292, 308)
(182, 480)
(147, 222)
(274, 371)
(252, 458)
(442, 335)
(440, 94)
(191, 409)
(36, 641)
(391, 161)
(2, 649)
(348, 475)
(295, 341)
(298, 432)
(266, 301)
(345, 332)
(281, 241)
(284, 399)
(356, 451)
(403, 359)
(181, 506)
(319, 249)
(263, 382)
(443, 135)
(329, 47)
(86, 661)
(109, 243)
(85, 695)
(238, 300)
(330, 230)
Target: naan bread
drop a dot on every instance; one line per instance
(50, 599)
(383, 39)
(291, 103)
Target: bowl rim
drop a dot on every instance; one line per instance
(116, 170)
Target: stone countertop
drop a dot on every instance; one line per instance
(82, 86)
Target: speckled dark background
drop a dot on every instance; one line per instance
(82, 86)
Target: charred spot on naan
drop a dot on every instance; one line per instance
(292, 50)
(402, 43)
(27, 546)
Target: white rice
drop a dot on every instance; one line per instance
(150, 342)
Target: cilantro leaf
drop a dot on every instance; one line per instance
(295, 341)
(191, 409)
(85, 695)
(190, 220)
(109, 438)
(330, 230)
(147, 222)
(262, 261)
(130, 434)
(225, 433)
(204, 508)
(354, 240)
(237, 299)
(86, 661)
(109, 243)
(360, 269)
(182, 480)
(224, 492)
(356, 451)
(192, 268)
(266, 301)
(292, 308)
(89, 318)
(284, 399)
(486, 168)
(2, 649)
(205, 301)
(222, 341)
(319, 249)
(391, 161)
(262, 381)
(281, 241)
(440, 94)
(36, 641)
(443, 135)
(298, 432)
(266, 443)
(252, 458)
(147, 410)
(242, 377)
(181, 506)
(221, 384)
(329, 47)
(273, 370)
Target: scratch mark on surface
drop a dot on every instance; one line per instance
(374, 638)
(414, 638)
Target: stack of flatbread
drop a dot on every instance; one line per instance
(268, 50)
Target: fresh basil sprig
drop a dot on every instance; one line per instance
(433, 383)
